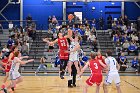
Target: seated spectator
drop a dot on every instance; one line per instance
(10, 27)
(132, 48)
(124, 38)
(19, 47)
(91, 37)
(134, 37)
(115, 38)
(5, 50)
(123, 61)
(1, 28)
(94, 44)
(10, 42)
(24, 49)
(139, 62)
(135, 63)
(29, 20)
(126, 45)
(57, 61)
(54, 21)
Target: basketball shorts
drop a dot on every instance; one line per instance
(63, 55)
(112, 77)
(95, 78)
(14, 75)
(7, 68)
(73, 57)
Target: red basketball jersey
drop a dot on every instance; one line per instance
(63, 44)
(100, 58)
(95, 66)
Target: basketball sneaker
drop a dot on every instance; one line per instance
(78, 77)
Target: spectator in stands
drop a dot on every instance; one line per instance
(29, 20)
(42, 65)
(126, 20)
(26, 37)
(54, 21)
(49, 19)
(19, 47)
(10, 27)
(123, 61)
(134, 37)
(124, 38)
(93, 23)
(126, 45)
(94, 44)
(101, 22)
(115, 38)
(139, 62)
(138, 23)
(135, 63)
(91, 38)
(10, 42)
(132, 48)
(5, 50)
(24, 49)
(109, 21)
(1, 28)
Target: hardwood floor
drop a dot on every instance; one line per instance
(53, 84)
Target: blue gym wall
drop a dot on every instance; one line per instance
(11, 12)
(131, 10)
(86, 9)
(40, 10)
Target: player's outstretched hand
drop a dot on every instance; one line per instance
(31, 60)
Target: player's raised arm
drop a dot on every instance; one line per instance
(47, 41)
(69, 34)
(102, 64)
(24, 62)
(84, 68)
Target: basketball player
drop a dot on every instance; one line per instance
(96, 72)
(100, 57)
(74, 55)
(14, 75)
(63, 50)
(8, 64)
(113, 74)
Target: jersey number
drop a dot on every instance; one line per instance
(114, 62)
(62, 42)
(96, 66)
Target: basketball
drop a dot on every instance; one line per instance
(70, 17)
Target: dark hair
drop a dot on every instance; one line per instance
(16, 54)
(109, 52)
(13, 48)
(92, 55)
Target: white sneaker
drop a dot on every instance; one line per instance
(69, 77)
(78, 77)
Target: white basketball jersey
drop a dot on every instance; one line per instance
(72, 46)
(15, 65)
(111, 61)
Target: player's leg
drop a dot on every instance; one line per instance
(45, 69)
(61, 68)
(108, 81)
(97, 88)
(69, 70)
(77, 66)
(19, 80)
(117, 82)
(85, 88)
(5, 79)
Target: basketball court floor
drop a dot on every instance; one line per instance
(53, 84)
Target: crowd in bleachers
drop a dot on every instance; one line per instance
(126, 36)
(20, 37)
(84, 29)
